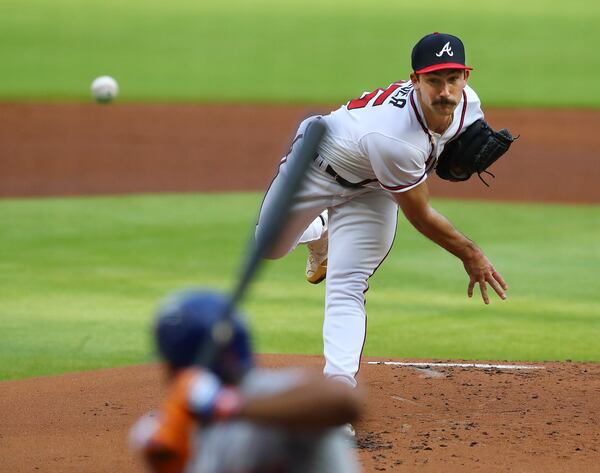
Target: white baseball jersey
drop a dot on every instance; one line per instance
(383, 136)
(245, 447)
(380, 140)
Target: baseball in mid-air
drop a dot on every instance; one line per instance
(104, 89)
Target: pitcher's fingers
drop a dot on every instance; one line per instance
(470, 288)
(496, 286)
(499, 278)
(484, 294)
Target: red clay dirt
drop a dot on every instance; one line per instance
(72, 149)
(427, 420)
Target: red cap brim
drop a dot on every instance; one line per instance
(446, 65)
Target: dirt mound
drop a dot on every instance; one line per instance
(429, 419)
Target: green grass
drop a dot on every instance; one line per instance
(80, 278)
(539, 53)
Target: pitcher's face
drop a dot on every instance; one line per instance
(441, 91)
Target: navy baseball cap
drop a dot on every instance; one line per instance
(438, 51)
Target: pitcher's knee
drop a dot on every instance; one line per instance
(347, 285)
(275, 252)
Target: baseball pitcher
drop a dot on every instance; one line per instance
(376, 157)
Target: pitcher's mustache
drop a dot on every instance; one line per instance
(444, 102)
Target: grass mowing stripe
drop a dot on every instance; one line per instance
(80, 277)
(309, 52)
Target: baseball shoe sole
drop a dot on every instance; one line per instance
(315, 277)
(316, 264)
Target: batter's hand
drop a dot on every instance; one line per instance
(481, 272)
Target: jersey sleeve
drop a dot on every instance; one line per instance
(398, 165)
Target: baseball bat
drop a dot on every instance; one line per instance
(276, 218)
(274, 222)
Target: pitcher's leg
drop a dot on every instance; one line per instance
(361, 233)
(303, 223)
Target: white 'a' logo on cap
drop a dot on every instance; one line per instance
(446, 49)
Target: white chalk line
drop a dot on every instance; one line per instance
(485, 366)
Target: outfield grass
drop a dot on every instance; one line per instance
(540, 52)
(80, 278)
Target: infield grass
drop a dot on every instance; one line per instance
(80, 278)
(535, 53)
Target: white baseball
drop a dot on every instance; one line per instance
(104, 89)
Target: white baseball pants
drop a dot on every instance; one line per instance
(362, 226)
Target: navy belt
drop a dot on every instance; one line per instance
(340, 180)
